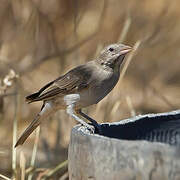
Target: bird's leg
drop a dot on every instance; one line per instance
(71, 112)
(94, 123)
(70, 101)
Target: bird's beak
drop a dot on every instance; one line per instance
(125, 50)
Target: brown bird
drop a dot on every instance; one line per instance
(82, 86)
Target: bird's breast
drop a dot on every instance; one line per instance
(101, 84)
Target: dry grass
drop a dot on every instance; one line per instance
(41, 40)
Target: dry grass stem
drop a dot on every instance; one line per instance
(4, 177)
(128, 60)
(33, 157)
(125, 29)
(64, 176)
(130, 106)
(22, 163)
(16, 105)
(115, 107)
(56, 169)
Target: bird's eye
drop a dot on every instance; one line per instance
(111, 49)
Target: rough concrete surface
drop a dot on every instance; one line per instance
(96, 157)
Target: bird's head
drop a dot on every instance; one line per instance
(112, 56)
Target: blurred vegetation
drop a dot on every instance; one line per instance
(41, 39)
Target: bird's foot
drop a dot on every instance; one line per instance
(93, 123)
(97, 127)
(90, 129)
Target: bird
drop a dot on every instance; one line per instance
(80, 87)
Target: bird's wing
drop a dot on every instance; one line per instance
(74, 80)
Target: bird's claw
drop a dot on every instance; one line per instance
(90, 129)
(97, 127)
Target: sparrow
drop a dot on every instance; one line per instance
(80, 87)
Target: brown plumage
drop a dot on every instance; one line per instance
(80, 87)
(76, 79)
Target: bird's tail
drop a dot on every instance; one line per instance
(32, 97)
(34, 124)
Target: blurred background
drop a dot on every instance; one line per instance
(40, 40)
